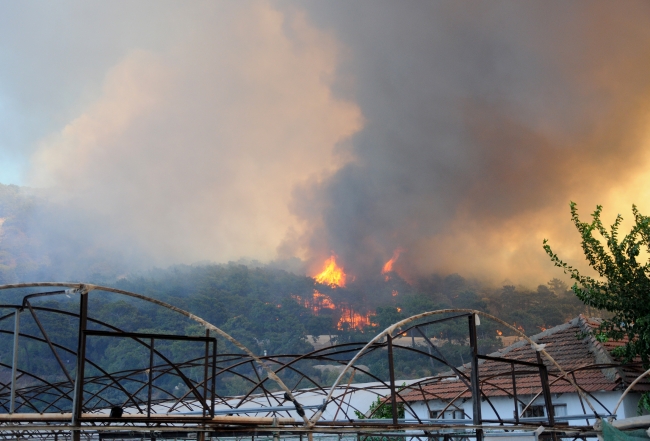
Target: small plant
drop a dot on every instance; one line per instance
(381, 409)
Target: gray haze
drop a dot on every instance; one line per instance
(173, 132)
(483, 119)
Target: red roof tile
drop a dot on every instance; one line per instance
(587, 361)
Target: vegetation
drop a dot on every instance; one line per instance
(624, 286)
(262, 306)
(381, 409)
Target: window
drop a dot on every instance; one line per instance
(449, 414)
(539, 410)
(559, 410)
(534, 411)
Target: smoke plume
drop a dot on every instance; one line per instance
(483, 121)
(457, 132)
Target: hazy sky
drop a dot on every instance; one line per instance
(456, 131)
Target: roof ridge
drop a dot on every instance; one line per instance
(600, 352)
(535, 338)
(501, 352)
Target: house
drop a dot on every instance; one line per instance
(586, 361)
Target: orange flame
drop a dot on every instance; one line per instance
(395, 293)
(353, 319)
(499, 332)
(332, 274)
(388, 266)
(323, 301)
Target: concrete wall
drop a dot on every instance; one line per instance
(603, 402)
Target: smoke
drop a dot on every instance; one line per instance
(189, 151)
(483, 121)
(458, 132)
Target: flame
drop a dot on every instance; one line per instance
(388, 266)
(395, 293)
(353, 319)
(323, 301)
(399, 309)
(499, 332)
(332, 274)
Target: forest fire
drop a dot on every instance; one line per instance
(388, 266)
(322, 301)
(332, 274)
(351, 319)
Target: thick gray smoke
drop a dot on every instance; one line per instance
(188, 128)
(483, 120)
(457, 132)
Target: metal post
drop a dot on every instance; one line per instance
(476, 387)
(77, 404)
(214, 376)
(582, 404)
(514, 392)
(546, 390)
(14, 362)
(205, 372)
(391, 369)
(150, 380)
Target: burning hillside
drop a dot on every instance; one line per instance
(334, 276)
(331, 274)
(388, 266)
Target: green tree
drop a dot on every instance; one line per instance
(381, 408)
(623, 288)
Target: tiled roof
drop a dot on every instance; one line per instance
(569, 345)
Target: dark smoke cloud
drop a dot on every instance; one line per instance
(483, 120)
(171, 132)
(188, 130)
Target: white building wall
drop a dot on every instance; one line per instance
(604, 403)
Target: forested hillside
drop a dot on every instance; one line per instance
(273, 310)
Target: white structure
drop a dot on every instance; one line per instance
(448, 399)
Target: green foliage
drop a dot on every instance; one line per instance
(624, 285)
(625, 292)
(386, 316)
(381, 409)
(644, 403)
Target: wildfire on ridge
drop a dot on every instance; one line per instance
(320, 301)
(323, 301)
(353, 319)
(332, 274)
(388, 266)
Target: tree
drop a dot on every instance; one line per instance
(624, 285)
(382, 409)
